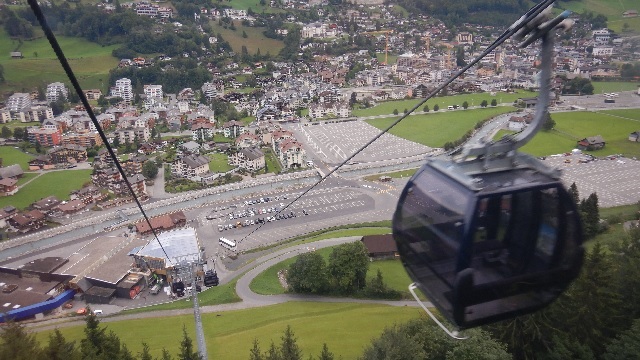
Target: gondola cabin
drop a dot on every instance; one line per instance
(487, 246)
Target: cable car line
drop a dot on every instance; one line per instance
(524, 21)
(74, 81)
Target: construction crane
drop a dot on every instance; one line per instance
(449, 47)
(386, 42)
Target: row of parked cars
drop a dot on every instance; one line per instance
(261, 220)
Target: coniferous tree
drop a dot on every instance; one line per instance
(273, 353)
(289, 349)
(254, 353)
(575, 195)
(326, 354)
(187, 351)
(59, 348)
(145, 354)
(17, 344)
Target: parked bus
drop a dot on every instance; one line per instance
(228, 244)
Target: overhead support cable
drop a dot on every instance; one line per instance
(74, 81)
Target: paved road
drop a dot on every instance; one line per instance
(249, 298)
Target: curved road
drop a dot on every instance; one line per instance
(249, 298)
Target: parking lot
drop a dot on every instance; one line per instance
(615, 181)
(317, 209)
(334, 142)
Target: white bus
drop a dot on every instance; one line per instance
(228, 244)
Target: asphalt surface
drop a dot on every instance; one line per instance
(248, 272)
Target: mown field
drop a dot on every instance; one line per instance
(219, 162)
(600, 87)
(90, 62)
(435, 129)
(613, 125)
(387, 107)
(346, 328)
(57, 183)
(10, 156)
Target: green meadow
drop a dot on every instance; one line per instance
(346, 328)
(255, 39)
(612, 9)
(10, 156)
(435, 129)
(56, 183)
(600, 87)
(90, 62)
(387, 107)
(613, 125)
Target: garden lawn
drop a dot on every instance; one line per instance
(271, 162)
(219, 162)
(90, 62)
(57, 183)
(435, 129)
(346, 328)
(26, 177)
(387, 107)
(600, 87)
(573, 126)
(10, 156)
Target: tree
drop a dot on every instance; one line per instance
(59, 348)
(18, 133)
(254, 353)
(494, 102)
(406, 111)
(575, 195)
(460, 57)
(244, 34)
(289, 349)
(308, 274)
(6, 132)
(484, 103)
(465, 105)
(150, 170)
(590, 214)
(38, 147)
(425, 108)
(186, 348)
(145, 354)
(395, 111)
(436, 107)
(116, 142)
(325, 354)
(273, 353)
(549, 123)
(17, 344)
(348, 265)
(626, 345)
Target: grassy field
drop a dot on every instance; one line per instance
(395, 175)
(271, 162)
(219, 162)
(600, 87)
(267, 282)
(387, 107)
(57, 183)
(11, 155)
(612, 9)
(255, 39)
(26, 177)
(613, 125)
(435, 129)
(346, 328)
(90, 62)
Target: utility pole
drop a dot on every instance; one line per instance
(186, 270)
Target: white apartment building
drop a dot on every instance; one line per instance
(153, 91)
(211, 90)
(123, 89)
(55, 91)
(19, 102)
